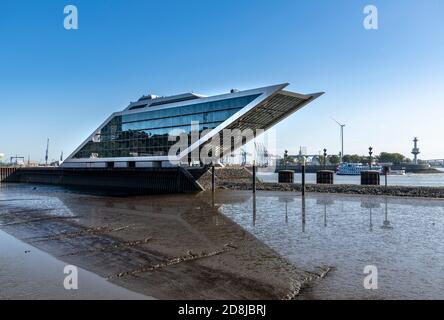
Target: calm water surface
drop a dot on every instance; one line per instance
(29, 273)
(401, 237)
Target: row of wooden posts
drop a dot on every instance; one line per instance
(322, 177)
(213, 179)
(5, 172)
(369, 177)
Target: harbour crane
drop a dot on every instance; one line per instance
(16, 158)
(262, 153)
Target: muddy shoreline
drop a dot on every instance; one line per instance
(241, 179)
(395, 191)
(227, 245)
(152, 245)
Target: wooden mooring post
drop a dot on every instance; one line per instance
(5, 172)
(254, 176)
(386, 170)
(303, 177)
(213, 179)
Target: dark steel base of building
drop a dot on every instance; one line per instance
(119, 180)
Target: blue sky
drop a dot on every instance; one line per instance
(386, 84)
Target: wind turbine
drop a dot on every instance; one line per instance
(342, 137)
(47, 150)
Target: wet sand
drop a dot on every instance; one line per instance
(167, 247)
(28, 273)
(235, 246)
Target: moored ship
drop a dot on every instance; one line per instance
(355, 169)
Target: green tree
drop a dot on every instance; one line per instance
(353, 158)
(395, 158)
(333, 159)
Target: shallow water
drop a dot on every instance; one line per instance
(401, 237)
(29, 273)
(165, 246)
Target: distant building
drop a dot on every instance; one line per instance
(415, 150)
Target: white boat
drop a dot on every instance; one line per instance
(355, 169)
(397, 172)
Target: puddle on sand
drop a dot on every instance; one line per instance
(29, 273)
(402, 237)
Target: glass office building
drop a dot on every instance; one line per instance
(147, 133)
(143, 133)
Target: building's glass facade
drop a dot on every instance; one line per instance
(146, 133)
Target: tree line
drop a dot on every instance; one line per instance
(383, 157)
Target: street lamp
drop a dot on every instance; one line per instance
(325, 158)
(285, 159)
(370, 152)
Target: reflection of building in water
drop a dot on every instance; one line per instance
(286, 200)
(254, 209)
(370, 204)
(386, 222)
(303, 214)
(232, 263)
(325, 202)
(367, 202)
